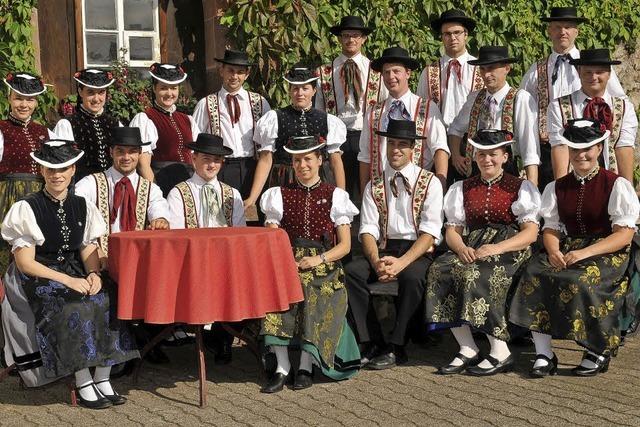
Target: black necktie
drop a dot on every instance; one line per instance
(559, 60)
(394, 186)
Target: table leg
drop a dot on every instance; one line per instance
(202, 369)
(155, 341)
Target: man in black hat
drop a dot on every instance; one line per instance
(595, 101)
(232, 113)
(400, 224)
(553, 77)
(497, 106)
(346, 87)
(448, 81)
(396, 66)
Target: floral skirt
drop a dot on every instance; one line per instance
(475, 293)
(582, 302)
(318, 324)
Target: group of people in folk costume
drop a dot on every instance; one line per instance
(467, 154)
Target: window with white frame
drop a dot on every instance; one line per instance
(109, 25)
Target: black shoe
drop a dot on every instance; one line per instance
(223, 353)
(304, 379)
(602, 365)
(383, 361)
(157, 356)
(497, 366)
(100, 403)
(551, 368)
(369, 352)
(466, 362)
(115, 398)
(401, 355)
(178, 338)
(277, 382)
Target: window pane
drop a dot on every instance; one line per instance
(100, 14)
(138, 15)
(102, 49)
(141, 48)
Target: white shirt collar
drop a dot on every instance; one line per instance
(117, 176)
(462, 59)
(407, 171)
(582, 97)
(198, 180)
(573, 52)
(406, 99)
(499, 95)
(242, 93)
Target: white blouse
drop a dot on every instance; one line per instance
(149, 131)
(342, 209)
(623, 207)
(20, 228)
(526, 208)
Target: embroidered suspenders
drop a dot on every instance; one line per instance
(434, 81)
(371, 95)
(189, 205)
(543, 99)
(255, 100)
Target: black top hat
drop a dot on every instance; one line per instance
(393, 55)
(210, 144)
(594, 57)
(235, 57)
(126, 136)
(300, 75)
(93, 78)
(453, 15)
(350, 23)
(57, 154)
(492, 55)
(564, 14)
(401, 129)
(167, 73)
(304, 144)
(25, 83)
(488, 139)
(583, 133)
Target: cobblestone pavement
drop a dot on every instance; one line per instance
(407, 395)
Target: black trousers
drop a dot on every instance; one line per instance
(412, 282)
(545, 171)
(350, 150)
(238, 172)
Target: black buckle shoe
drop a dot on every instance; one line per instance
(115, 398)
(383, 361)
(277, 382)
(303, 379)
(497, 367)
(601, 362)
(100, 403)
(466, 362)
(551, 368)
(369, 352)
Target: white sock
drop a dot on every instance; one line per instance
(306, 361)
(499, 350)
(468, 346)
(83, 378)
(282, 356)
(586, 363)
(542, 343)
(101, 378)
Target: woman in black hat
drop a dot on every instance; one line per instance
(575, 288)
(468, 286)
(316, 215)
(19, 136)
(167, 129)
(55, 292)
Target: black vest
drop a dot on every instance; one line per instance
(92, 134)
(291, 122)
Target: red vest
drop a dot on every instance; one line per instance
(19, 141)
(315, 205)
(174, 131)
(484, 204)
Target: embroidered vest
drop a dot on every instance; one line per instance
(418, 196)
(20, 139)
(189, 204)
(213, 106)
(434, 82)
(307, 212)
(619, 107)
(174, 131)
(371, 91)
(92, 133)
(102, 202)
(291, 123)
(543, 99)
(421, 115)
(484, 204)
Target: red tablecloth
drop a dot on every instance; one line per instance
(199, 276)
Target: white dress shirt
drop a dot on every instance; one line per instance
(453, 93)
(400, 221)
(195, 183)
(149, 131)
(352, 118)
(525, 129)
(436, 135)
(157, 207)
(238, 136)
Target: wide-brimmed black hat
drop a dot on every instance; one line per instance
(492, 55)
(564, 14)
(594, 57)
(401, 129)
(350, 23)
(453, 15)
(304, 144)
(94, 78)
(235, 57)
(57, 154)
(300, 75)
(583, 133)
(167, 73)
(210, 144)
(127, 137)
(395, 54)
(488, 139)
(25, 84)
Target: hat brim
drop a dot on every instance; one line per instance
(468, 23)
(57, 165)
(214, 151)
(580, 146)
(337, 29)
(94, 86)
(576, 19)
(396, 136)
(170, 82)
(410, 63)
(305, 150)
(238, 63)
(293, 82)
(492, 61)
(579, 61)
(488, 147)
(44, 89)
(128, 144)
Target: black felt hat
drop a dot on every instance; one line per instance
(300, 75)
(401, 129)
(488, 139)
(25, 83)
(235, 57)
(453, 15)
(583, 133)
(57, 154)
(210, 144)
(564, 14)
(304, 144)
(350, 23)
(94, 78)
(594, 57)
(127, 137)
(492, 55)
(168, 73)
(395, 54)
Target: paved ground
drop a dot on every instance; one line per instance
(407, 395)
